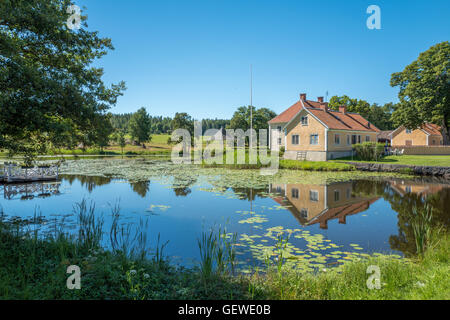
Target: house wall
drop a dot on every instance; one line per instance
(304, 132)
(417, 137)
(343, 146)
(273, 128)
(304, 200)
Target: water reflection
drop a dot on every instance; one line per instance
(28, 191)
(375, 213)
(317, 204)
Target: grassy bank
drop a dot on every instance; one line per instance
(34, 267)
(413, 160)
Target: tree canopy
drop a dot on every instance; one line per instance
(380, 116)
(425, 90)
(48, 86)
(139, 126)
(261, 117)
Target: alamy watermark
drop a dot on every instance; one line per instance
(74, 21)
(374, 280)
(229, 147)
(374, 20)
(74, 280)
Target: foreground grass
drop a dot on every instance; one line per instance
(34, 268)
(414, 160)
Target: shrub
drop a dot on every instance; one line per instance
(282, 150)
(369, 151)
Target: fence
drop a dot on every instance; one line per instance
(424, 150)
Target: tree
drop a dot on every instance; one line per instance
(424, 90)
(140, 126)
(183, 121)
(47, 81)
(353, 105)
(261, 117)
(121, 140)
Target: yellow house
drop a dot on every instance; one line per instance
(309, 130)
(427, 135)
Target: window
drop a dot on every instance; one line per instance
(336, 195)
(354, 139)
(314, 195)
(433, 142)
(304, 120)
(337, 139)
(359, 139)
(278, 189)
(279, 140)
(314, 139)
(367, 138)
(294, 193)
(408, 189)
(295, 139)
(279, 128)
(408, 131)
(304, 213)
(348, 193)
(348, 139)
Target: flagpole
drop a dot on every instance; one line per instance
(251, 106)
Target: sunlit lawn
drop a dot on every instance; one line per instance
(417, 160)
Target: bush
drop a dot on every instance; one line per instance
(282, 150)
(369, 151)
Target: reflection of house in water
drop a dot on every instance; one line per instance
(27, 191)
(312, 204)
(420, 188)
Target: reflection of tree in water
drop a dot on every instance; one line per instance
(405, 240)
(181, 187)
(89, 181)
(250, 193)
(404, 203)
(141, 187)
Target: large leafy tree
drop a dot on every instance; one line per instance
(380, 116)
(425, 90)
(183, 120)
(139, 126)
(48, 85)
(261, 117)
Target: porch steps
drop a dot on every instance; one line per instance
(301, 155)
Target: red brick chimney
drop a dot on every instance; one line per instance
(324, 106)
(320, 99)
(303, 96)
(343, 109)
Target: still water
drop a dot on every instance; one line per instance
(325, 222)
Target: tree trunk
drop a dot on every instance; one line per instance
(445, 133)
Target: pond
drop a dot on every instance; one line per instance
(326, 218)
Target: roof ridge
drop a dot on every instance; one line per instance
(339, 119)
(360, 122)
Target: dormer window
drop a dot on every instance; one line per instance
(408, 131)
(304, 120)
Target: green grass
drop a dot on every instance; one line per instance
(34, 267)
(414, 160)
(315, 165)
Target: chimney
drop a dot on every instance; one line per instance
(324, 106)
(320, 99)
(303, 96)
(343, 109)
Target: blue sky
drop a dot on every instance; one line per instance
(195, 56)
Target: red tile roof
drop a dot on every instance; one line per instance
(287, 114)
(332, 119)
(432, 128)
